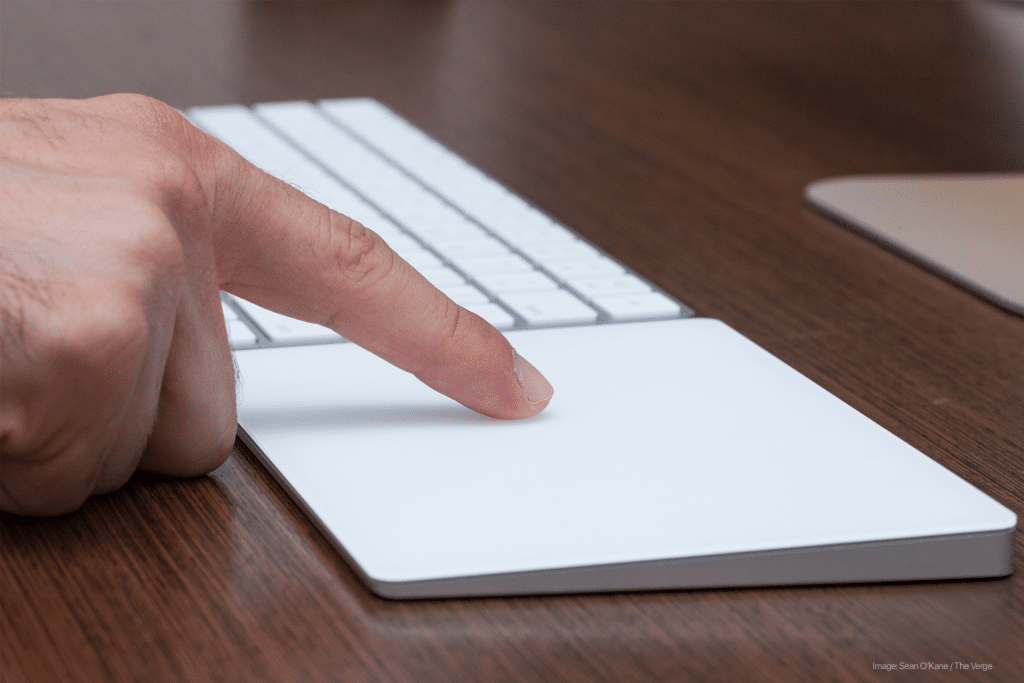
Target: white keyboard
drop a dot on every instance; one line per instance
(484, 247)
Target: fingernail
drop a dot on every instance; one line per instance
(536, 389)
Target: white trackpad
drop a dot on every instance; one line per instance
(664, 440)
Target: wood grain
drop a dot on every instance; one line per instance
(679, 137)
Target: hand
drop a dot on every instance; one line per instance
(120, 223)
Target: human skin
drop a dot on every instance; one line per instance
(120, 223)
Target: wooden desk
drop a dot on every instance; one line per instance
(678, 136)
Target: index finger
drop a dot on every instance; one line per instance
(278, 248)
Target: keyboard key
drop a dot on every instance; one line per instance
(281, 328)
(437, 223)
(484, 247)
(509, 214)
(494, 314)
(383, 227)
(494, 206)
(391, 190)
(422, 260)
(634, 306)
(429, 205)
(402, 243)
(570, 270)
(439, 168)
(549, 307)
(567, 251)
(439, 232)
(550, 234)
(533, 281)
(239, 334)
(464, 295)
(254, 140)
(443, 277)
(479, 196)
(609, 286)
(482, 265)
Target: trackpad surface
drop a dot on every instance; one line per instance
(667, 445)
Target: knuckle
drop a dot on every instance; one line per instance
(457, 325)
(356, 252)
(455, 329)
(162, 156)
(76, 366)
(177, 188)
(82, 372)
(147, 239)
(132, 104)
(133, 137)
(180, 188)
(108, 339)
(149, 114)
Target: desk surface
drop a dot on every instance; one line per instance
(678, 136)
